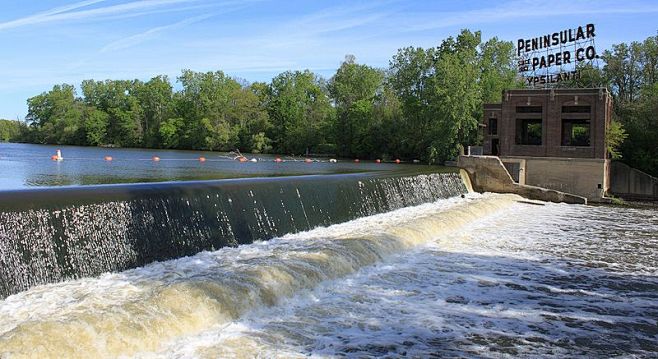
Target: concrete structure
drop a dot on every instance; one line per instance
(631, 184)
(552, 138)
(488, 174)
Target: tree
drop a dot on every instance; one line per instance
(95, 126)
(56, 116)
(614, 137)
(117, 99)
(497, 69)
(354, 89)
(171, 132)
(441, 94)
(156, 101)
(298, 108)
(9, 130)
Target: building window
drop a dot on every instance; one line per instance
(493, 126)
(528, 131)
(576, 109)
(575, 132)
(528, 109)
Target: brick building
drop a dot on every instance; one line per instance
(552, 138)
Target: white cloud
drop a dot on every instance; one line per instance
(67, 13)
(133, 40)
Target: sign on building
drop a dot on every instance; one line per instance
(553, 58)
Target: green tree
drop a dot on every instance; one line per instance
(56, 116)
(171, 132)
(117, 99)
(354, 89)
(204, 104)
(614, 137)
(441, 95)
(156, 101)
(497, 68)
(9, 130)
(298, 108)
(95, 126)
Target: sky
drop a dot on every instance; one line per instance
(48, 42)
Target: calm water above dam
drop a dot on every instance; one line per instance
(483, 276)
(27, 165)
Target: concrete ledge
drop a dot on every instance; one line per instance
(632, 184)
(488, 174)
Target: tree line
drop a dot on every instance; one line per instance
(425, 105)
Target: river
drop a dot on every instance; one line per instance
(28, 166)
(482, 276)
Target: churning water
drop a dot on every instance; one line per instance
(484, 276)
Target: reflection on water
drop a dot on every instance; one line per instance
(484, 276)
(27, 165)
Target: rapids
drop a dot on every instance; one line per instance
(481, 276)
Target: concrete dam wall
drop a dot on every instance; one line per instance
(55, 234)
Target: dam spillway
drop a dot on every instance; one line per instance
(51, 235)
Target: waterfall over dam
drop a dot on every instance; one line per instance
(55, 234)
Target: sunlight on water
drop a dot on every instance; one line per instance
(481, 276)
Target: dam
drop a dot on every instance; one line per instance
(352, 265)
(49, 235)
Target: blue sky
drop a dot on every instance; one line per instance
(49, 42)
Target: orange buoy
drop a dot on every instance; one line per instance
(202, 159)
(107, 158)
(155, 158)
(378, 161)
(356, 160)
(53, 157)
(278, 160)
(397, 160)
(308, 160)
(243, 159)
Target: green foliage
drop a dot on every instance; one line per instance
(9, 130)
(614, 137)
(95, 125)
(426, 105)
(171, 131)
(354, 89)
(57, 115)
(299, 109)
(260, 143)
(441, 91)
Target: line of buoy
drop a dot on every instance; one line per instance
(58, 157)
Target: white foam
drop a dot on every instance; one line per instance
(443, 278)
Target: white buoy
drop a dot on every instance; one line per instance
(253, 160)
(332, 160)
(59, 155)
